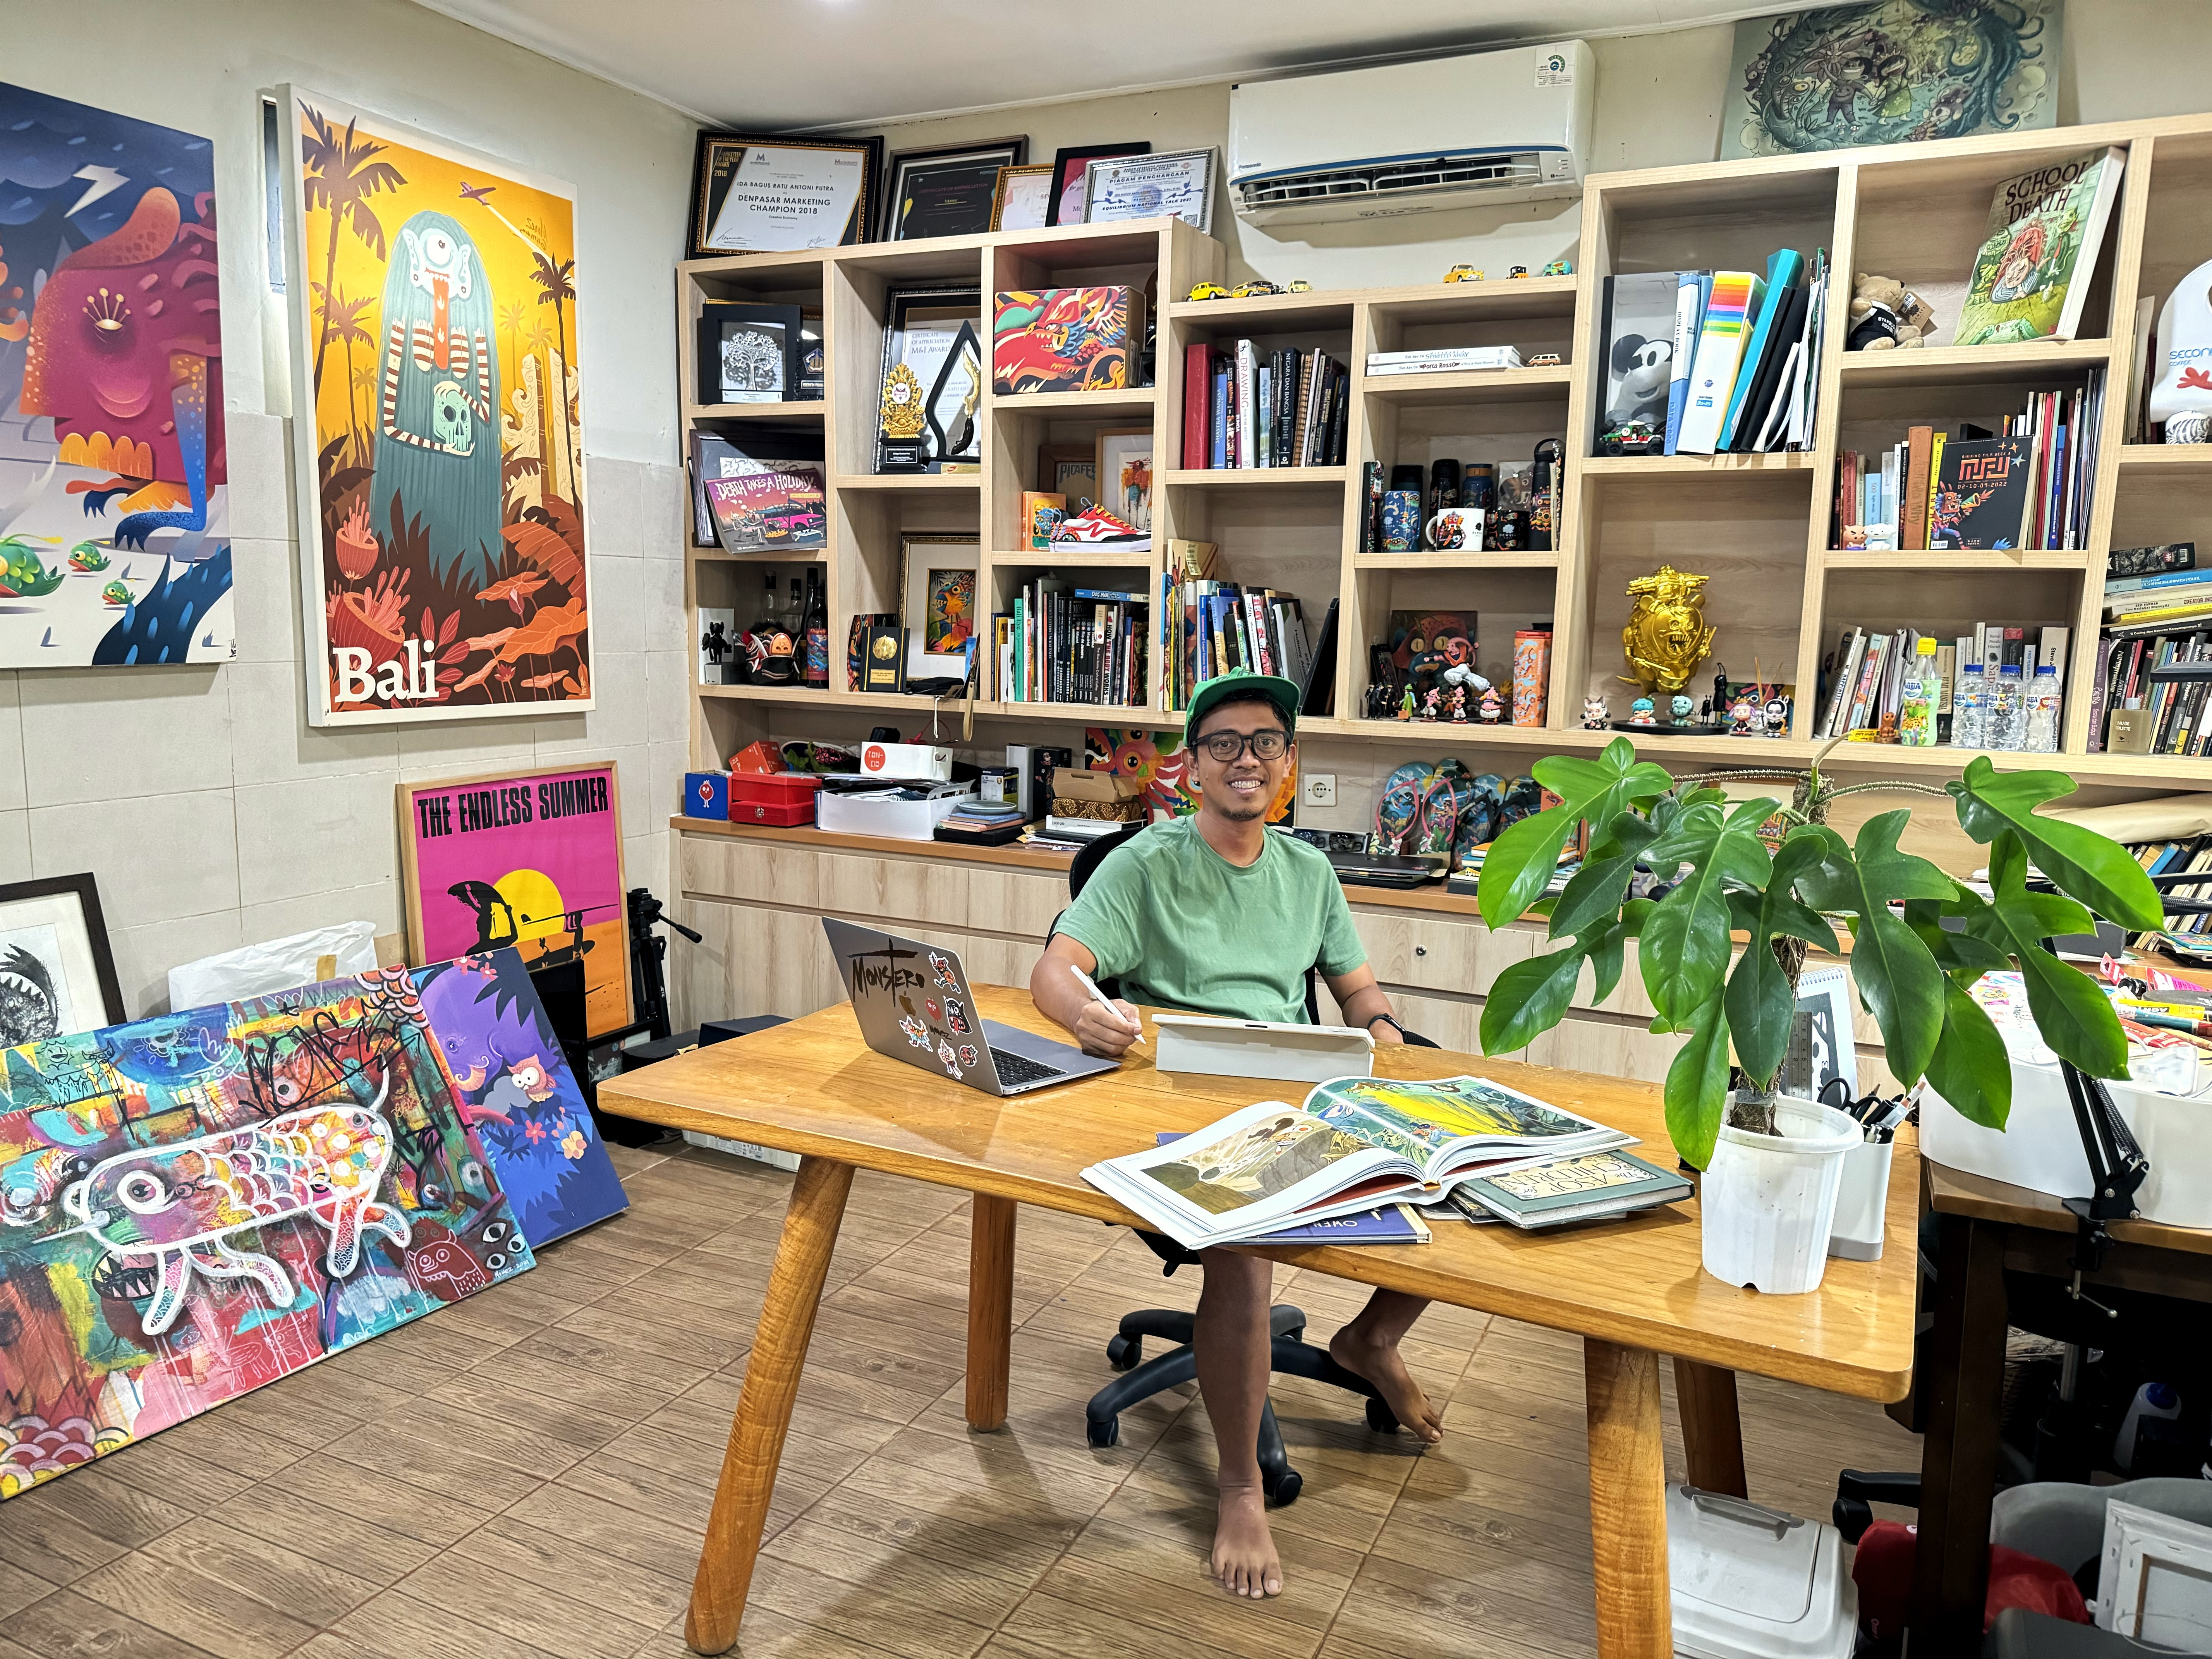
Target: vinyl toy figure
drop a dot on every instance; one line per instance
(1777, 718)
(1639, 712)
(1493, 706)
(1741, 714)
(1595, 715)
(1458, 705)
(1680, 708)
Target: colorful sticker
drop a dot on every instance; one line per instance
(955, 1016)
(967, 1055)
(948, 1060)
(936, 1010)
(917, 1032)
(941, 971)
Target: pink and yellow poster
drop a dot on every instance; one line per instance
(529, 859)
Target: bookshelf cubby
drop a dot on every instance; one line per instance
(1758, 525)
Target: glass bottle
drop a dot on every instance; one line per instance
(1969, 710)
(2008, 718)
(817, 630)
(2043, 704)
(794, 614)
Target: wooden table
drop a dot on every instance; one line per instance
(1633, 1290)
(1986, 1229)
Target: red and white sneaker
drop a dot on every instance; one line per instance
(1099, 528)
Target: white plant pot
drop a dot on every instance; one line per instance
(1768, 1201)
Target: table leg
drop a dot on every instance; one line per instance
(1713, 1432)
(1628, 1502)
(779, 1354)
(1962, 1395)
(990, 1310)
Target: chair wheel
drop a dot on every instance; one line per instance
(1297, 1332)
(1381, 1418)
(1122, 1352)
(1107, 1433)
(1286, 1488)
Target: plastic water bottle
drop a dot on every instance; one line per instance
(2008, 716)
(2152, 1400)
(1969, 710)
(2043, 702)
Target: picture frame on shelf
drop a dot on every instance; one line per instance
(1069, 470)
(1176, 182)
(931, 381)
(812, 376)
(946, 192)
(1121, 471)
(939, 577)
(1023, 196)
(772, 195)
(1071, 177)
(53, 945)
(748, 354)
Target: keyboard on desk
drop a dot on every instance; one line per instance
(1015, 1070)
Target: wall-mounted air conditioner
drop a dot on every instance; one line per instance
(1444, 132)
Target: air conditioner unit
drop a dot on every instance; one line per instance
(1444, 132)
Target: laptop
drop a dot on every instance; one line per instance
(912, 1002)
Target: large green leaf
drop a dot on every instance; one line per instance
(1522, 861)
(1684, 951)
(1760, 1001)
(2093, 868)
(1896, 975)
(2070, 1011)
(1696, 1090)
(1970, 1067)
(1607, 947)
(1595, 893)
(1529, 999)
(1955, 951)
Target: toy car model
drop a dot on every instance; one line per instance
(1631, 438)
(1256, 288)
(1544, 360)
(1462, 274)
(1560, 268)
(1208, 291)
(1516, 270)
(1297, 285)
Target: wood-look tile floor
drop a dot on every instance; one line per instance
(528, 1472)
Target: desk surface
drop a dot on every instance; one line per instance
(1955, 1191)
(813, 1087)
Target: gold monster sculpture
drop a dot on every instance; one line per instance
(1667, 637)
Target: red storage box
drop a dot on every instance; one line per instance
(785, 798)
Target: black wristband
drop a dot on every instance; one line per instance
(1387, 1021)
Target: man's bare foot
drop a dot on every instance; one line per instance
(1244, 1559)
(1381, 1363)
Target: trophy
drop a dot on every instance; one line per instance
(901, 419)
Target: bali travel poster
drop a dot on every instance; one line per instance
(433, 293)
(114, 538)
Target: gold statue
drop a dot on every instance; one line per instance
(1667, 637)
(902, 406)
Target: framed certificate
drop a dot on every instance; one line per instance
(1179, 183)
(780, 195)
(1071, 181)
(946, 192)
(1023, 198)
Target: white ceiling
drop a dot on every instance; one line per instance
(774, 66)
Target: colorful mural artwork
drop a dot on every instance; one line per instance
(115, 531)
(194, 1205)
(1157, 760)
(433, 306)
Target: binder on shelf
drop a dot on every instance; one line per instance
(1721, 339)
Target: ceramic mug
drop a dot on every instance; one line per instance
(1455, 529)
(1401, 521)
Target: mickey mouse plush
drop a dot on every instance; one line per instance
(1642, 369)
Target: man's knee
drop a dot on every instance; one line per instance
(1237, 1272)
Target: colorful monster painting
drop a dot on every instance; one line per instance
(200, 1203)
(441, 537)
(114, 538)
(1157, 760)
(518, 1095)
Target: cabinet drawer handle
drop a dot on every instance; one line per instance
(1420, 949)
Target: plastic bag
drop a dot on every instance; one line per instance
(280, 964)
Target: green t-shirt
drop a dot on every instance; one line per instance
(1179, 925)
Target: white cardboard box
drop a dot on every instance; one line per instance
(884, 815)
(906, 761)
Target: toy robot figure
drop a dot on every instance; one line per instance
(1741, 714)
(1639, 712)
(1595, 715)
(1493, 706)
(1777, 718)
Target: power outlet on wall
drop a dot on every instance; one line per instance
(1321, 789)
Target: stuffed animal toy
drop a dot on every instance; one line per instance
(1642, 369)
(1909, 319)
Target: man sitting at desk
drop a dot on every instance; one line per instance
(1214, 914)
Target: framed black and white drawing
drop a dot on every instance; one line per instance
(56, 973)
(946, 192)
(748, 354)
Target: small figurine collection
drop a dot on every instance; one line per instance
(1559, 267)
(1473, 507)
(1258, 287)
(1426, 672)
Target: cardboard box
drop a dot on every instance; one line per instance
(1077, 792)
(905, 760)
(707, 795)
(1064, 339)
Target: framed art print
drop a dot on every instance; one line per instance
(1071, 177)
(780, 195)
(946, 192)
(748, 354)
(938, 598)
(1023, 198)
(57, 973)
(1123, 472)
(933, 368)
(1179, 184)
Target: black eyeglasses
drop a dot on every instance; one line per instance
(1228, 747)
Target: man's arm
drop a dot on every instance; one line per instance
(1362, 1000)
(1061, 996)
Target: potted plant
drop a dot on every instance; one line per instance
(1772, 1163)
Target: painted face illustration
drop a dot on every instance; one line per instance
(955, 1016)
(917, 1031)
(967, 1055)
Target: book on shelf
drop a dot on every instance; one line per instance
(1212, 627)
(1729, 315)
(1066, 644)
(1602, 1187)
(1441, 360)
(1783, 267)
(1287, 409)
(2031, 275)
(1353, 1144)
(1870, 676)
(1691, 289)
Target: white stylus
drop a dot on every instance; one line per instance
(1102, 999)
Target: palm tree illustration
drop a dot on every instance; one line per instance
(342, 321)
(511, 316)
(557, 286)
(342, 172)
(364, 380)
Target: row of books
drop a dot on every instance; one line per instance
(1870, 676)
(2157, 601)
(1241, 409)
(1725, 362)
(1080, 644)
(1214, 627)
(2177, 714)
(2188, 857)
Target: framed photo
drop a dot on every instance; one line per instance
(1123, 474)
(946, 192)
(1180, 183)
(779, 195)
(748, 352)
(933, 380)
(938, 599)
(1821, 1045)
(59, 976)
(1071, 178)
(1069, 470)
(1023, 198)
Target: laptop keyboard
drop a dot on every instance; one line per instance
(1017, 1069)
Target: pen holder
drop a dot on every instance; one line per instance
(1862, 1202)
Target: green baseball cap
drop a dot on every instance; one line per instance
(1283, 694)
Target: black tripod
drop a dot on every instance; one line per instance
(647, 950)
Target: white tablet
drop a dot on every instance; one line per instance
(1262, 1049)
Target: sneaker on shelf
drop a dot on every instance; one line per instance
(1099, 528)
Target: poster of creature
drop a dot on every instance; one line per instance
(433, 293)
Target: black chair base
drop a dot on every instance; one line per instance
(1289, 1353)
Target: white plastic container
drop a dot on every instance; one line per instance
(1749, 1583)
(1862, 1202)
(884, 815)
(2154, 1400)
(1768, 1202)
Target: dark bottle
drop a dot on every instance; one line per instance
(1444, 486)
(818, 630)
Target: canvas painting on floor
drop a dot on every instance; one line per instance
(199, 1203)
(114, 527)
(438, 425)
(519, 1095)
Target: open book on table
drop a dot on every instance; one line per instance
(1354, 1143)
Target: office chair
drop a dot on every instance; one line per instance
(1289, 1351)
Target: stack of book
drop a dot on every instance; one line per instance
(1725, 362)
(1245, 409)
(985, 824)
(1864, 680)
(1212, 627)
(2186, 857)
(1441, 360)
(1071, 645)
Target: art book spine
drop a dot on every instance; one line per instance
(1720, 351)
(1688, 311)
(1197, 390)
(1247, 374)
